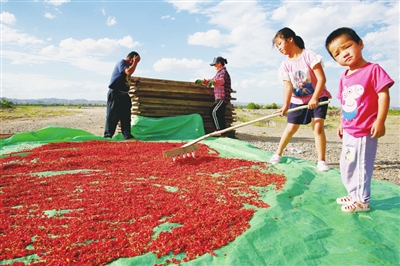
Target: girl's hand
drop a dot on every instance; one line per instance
(378, 130)
(282, 111)
(313, 103)
(340, 132)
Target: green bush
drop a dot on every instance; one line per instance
(6, 104)
(271, 106)
(252, 106)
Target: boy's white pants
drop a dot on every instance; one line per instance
(357, 164)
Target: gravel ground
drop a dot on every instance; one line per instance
(387, 162)
(264, 137)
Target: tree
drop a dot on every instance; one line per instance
(271, 106)
(6, 103)
(253, 106)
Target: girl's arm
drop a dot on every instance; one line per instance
(319, 87)
(378, 128)
(287, 95)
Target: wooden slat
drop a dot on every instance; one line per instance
(170, 85)
(178, 102)
(144, 107)
(173, 95)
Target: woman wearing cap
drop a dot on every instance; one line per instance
(222, 92)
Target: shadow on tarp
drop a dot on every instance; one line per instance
(303, 226)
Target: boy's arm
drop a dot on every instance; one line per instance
(339, 131)
(378, 128)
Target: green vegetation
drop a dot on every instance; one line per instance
(25, 111)
(394, 112)
(248, 113)
(252, 106)
(255, 106)
(6, 104)
(271, 106)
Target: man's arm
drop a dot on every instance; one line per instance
(135, 60)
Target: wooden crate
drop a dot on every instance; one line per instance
(163, 98)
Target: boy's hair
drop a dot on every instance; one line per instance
(344, 31)
(286, 33)
(132, 54)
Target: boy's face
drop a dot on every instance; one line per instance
(345, 51)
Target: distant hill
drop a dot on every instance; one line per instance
(99, 102)
(57, 101)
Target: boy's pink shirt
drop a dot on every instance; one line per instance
(358, 95)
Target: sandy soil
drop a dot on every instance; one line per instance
(387, 162)
(92, 119)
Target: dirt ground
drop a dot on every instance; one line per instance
(387, 162)
(265, 135)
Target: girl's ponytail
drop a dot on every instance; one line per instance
(287, 33)
(299, 42)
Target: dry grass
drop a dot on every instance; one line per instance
(36, 111)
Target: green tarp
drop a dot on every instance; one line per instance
(303, 226)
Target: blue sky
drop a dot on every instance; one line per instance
(67, 49)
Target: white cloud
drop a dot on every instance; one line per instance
(11, 36)
(103, 11)
(42, 86)
(302, 18)
(380, 42)
(85, 54)
(49, 15)
(56, 2)
(377, 56)
(7, 18)
(211, 38)
(280, 13)
(81, 48)
(184, 5)
(22, 57)
(173, 64)
(111, 21)
(168, 17)
(246, 36)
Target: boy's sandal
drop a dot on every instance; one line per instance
(344, 200)
(356, 207)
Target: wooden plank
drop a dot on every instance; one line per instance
(163, 81)
(173, 95)
(192, 109)
(162, 85)
(173, 102)
(169, 85)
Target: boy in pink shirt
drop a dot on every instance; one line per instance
(364, 96)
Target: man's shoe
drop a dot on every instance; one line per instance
(128, 137)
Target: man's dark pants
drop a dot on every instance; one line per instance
(119, 106)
